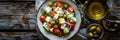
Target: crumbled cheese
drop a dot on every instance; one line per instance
(56, 16)
(56, 9)
(48, 9)
(61, 12)
(51, 30)
(48, 19)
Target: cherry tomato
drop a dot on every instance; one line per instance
(57, 32)
(42, 18)
(53, 12)
(72, 25)
(70, 9)
(59, 4)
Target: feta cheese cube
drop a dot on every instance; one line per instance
(48, 9)
(51, 30)
(56, 16)
(48, 19)
(60, 12)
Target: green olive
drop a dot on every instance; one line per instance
(98, 29)
(90, 34)
(55, 4)
(50, 3)
(55, 26)
(65, 6)
(92, 28)
(52, 22)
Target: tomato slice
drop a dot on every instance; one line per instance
(57, 32)
(72, 25)
(42, 18)
(59, 4)
(53, 13)
(70, 9)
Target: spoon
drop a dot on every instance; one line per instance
(117, 21)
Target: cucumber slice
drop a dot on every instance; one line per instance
(45, 26)
(69, 16)
(66, 30)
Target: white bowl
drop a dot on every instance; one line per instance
(52, 36)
